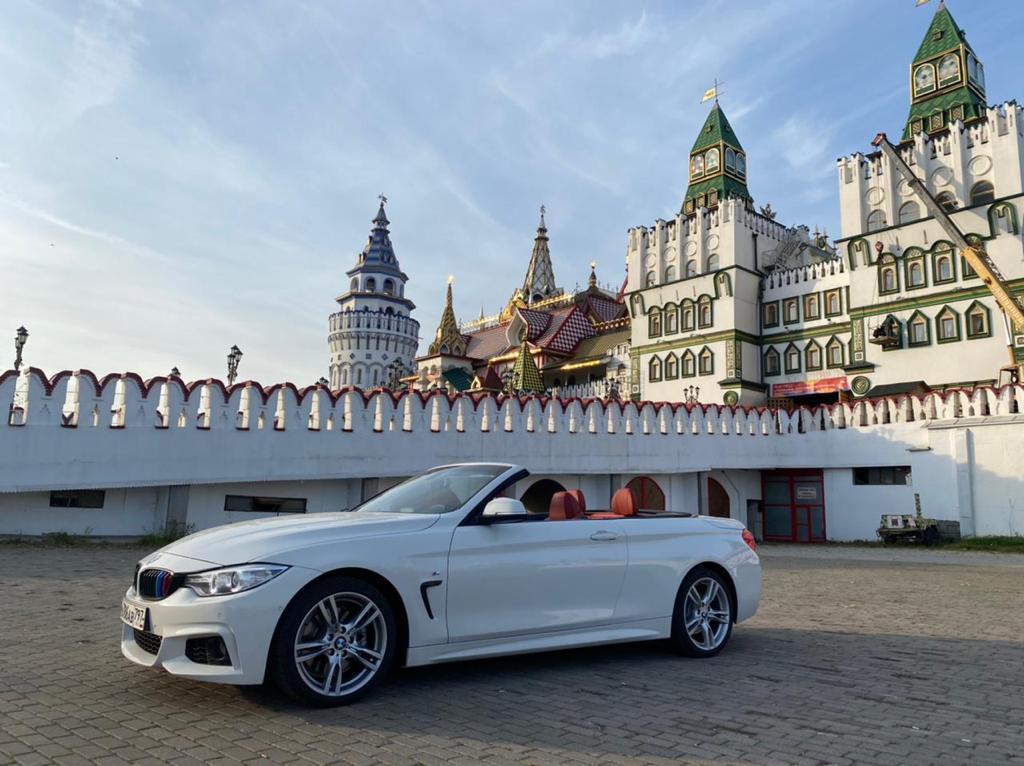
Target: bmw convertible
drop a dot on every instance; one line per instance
(444, 566)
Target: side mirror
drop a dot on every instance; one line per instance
(502, 510)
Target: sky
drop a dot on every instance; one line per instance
(179, 176)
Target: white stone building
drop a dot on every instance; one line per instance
(373, 328)
(727, 299)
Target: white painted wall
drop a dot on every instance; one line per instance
(853, 512)
(133, 511)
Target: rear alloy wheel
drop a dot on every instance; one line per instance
(335, 642)
(703, 617)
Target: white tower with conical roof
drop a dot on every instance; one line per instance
(374, 326)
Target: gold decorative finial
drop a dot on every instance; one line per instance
(451, 279)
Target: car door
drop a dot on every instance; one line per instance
(533, 577)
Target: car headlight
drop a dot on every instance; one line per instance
(222, 582)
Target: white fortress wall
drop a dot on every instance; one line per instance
(74, 431)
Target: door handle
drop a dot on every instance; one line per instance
(604, 536)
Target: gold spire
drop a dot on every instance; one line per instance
(448, 339)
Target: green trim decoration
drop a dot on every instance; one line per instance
(772, 362)
(813, 345)
(654, 369)
(833, 343)
(689, 366)
(730, 398)
(809, 315)
(838, 294)
(913, 320)
(712, 179)
(975, 308)
(706, 361)
(886, 264)
(860, 385)
(947, 311)
(671, 367)
(787, 354)
(914, 256)
(857, 341)
(1006, 211)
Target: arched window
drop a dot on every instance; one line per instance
(917, 330)
(654, 369)
(792, 359)
(812, 356)
(949, 70)
(688, 364)
(947, 326)
(924, 79)
(670, 273)
(711, 160)
(704, 313)
(730, 159)
(982, 193)
(812, 309)
(691, 268)
(652, 279)
(770, 314)
(915, 272)
(649, 496)
(876, 220)
(713, 262)
(688, 315)
(354, 284)
(671, 367)
(909, 211)
(537, 498)
(946, 201)
(696, 166)
(977, 321)
(671, 319)
(359, 376)
(741, 163)
(389, 287)
(834, 353)
(942, 265)
(887, 280)
(771, 362)
(706, 361)
(370, 285)
(654, 323)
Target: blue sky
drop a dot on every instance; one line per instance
(179, 176)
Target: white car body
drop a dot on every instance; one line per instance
(466, 590)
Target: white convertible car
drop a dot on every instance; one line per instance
(441, 567)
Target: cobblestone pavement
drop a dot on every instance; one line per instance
(852, 659)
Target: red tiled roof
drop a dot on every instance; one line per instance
(572, 329)
(537, 321)
(488, 342)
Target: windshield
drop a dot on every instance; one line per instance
(439, 491)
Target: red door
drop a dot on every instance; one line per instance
(794, 505)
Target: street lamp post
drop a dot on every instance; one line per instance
(20, 338)
(691, 394)
(396, 370)
(234, 357)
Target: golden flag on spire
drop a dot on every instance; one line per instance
(709, 94)
(921, 2)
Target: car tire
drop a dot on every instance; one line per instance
(704, 613)
(335, 642)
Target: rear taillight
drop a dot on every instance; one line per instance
(749, 540)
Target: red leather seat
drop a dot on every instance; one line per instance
(624, 502)
(564, 507)
(580, 500)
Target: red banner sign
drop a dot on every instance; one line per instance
(800, 387)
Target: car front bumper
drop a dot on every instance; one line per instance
(244, 621)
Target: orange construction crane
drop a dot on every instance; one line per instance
(1013, 312)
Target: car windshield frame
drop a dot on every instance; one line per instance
(432, 492)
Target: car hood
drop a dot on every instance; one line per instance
(260, 540)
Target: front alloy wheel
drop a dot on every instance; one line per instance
(335, 641)
(703, 617)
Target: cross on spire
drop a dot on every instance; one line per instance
(382, 198)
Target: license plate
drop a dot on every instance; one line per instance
(133, 615)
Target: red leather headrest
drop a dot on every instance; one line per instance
(563, 507)
(624, 502)
(580, 501)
